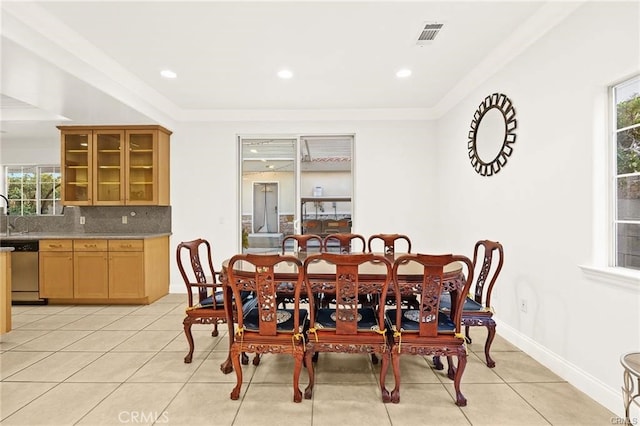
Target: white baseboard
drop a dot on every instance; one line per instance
(599, 391)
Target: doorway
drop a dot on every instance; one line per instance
(265, 208)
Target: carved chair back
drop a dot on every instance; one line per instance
(345, 242)
(389, 242)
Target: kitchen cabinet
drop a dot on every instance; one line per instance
(55, 269)
(104, 270)
(115, 165)
(90, 269)
(126, 268)
(5, 290)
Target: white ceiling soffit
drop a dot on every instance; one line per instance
(16, 110)
(30, 25)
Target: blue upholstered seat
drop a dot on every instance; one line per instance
(325, 318)
(284, 322)
(469, 303)
(409, 323)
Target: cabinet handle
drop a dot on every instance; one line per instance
(89, 245)
(125, 245)
(55, 245)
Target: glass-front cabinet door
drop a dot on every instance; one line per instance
(77, 167)
(109, 167)
(141, 167)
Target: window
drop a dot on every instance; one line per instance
(626, 136)
(33, 190)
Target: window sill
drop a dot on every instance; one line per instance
(621, 277)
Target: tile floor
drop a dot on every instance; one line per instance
(90, 365)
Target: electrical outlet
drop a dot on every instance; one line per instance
(124, 220)
(82, 220)
(523, 305)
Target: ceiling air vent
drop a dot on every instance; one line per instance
(429, 32)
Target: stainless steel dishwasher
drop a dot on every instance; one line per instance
(24, 272)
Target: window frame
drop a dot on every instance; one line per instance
(40, 169)
(615, 221)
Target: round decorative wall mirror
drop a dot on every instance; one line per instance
(491, 134)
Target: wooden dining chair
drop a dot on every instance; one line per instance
(208, 307)
(388, 243)
(427, 330)
(196, 267)
(344, 242)
(477, 310)
(265, 328)
(348, 327)
(302, 243)
(301, 247)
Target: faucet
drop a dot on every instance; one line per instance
(6, 212)
(6, 201)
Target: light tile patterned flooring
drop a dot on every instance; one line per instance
(89, 365)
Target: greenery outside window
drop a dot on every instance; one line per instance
(626, 136)
(33, 190)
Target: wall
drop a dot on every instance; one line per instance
(394, 196)
(546, 206)
(22, 152)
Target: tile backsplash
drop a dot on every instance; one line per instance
(97, 219)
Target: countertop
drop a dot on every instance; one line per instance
(79, 236)
(6, 249)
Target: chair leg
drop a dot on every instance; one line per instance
(298, 356)
(256, 359)
(386, 396)
(461, 401)
(451, 368)
(187, 332)
(437, 363)
(395, 365)
(235, 358)
(491, 333)
(214, 333)
(309, 363)
(466, 333)
(227, 366)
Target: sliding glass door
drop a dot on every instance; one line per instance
(288, 183)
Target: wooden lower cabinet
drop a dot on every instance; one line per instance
(126, 268)
(55, 269)
(107, 271)
(90, 269)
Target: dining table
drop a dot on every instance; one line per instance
(412, 272)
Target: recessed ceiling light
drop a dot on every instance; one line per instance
(285, 74)
(403, 73)
(168, 74)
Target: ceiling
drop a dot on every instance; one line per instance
(99, 62)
